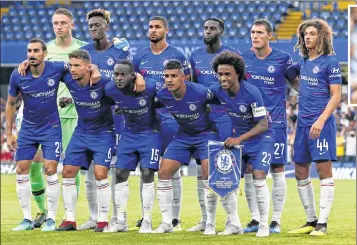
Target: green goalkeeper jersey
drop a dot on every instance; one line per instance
(56, 53)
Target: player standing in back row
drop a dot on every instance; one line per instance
(104, 54)
(268, 69)
(315, 141)
(150, 63)
(40, 126)
(201, 63)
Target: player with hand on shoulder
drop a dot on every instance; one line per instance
(95, 122)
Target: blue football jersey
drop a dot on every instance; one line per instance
(192, 112)
(39, 94)
(269, 75)
(201, 63)
(245, 110)
(315, 79)
(106, 59)
(151, 66)
(138, 108)
(92, 105)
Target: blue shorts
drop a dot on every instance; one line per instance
(280, 152)
(168, 130)
(144, 146)
(223, 123)
(183, 146)
(258, 154)
(85, 147)
(49, 137)
(307, 150)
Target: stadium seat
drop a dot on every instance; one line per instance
(185, 16)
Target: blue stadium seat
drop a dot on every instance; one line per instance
(29, 35)
(325, 14)
(97, 5)
(271, 8)
(277, 17)
(6, 28)
(5, 20)
(186, 18)
(230, 9)
(244, 31)
(235, 17)
(241, 8)
(341, 23)
(245, 15)
(9, 36)
(197, 24)
(88, 5)
(209, 9)
(27, 28)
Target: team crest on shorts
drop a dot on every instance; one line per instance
(316, 69)
(142, 102)
(224, 160)
(110, 61)
(192, 107)
(243, 108)
(93, 95)
(271, 69)
(51, 82)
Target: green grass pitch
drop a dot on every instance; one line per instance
(341, 226)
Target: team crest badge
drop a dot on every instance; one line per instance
(66, 65)
(110, 61)
(142, 102)
(243, 108)
(51, 82)
(316, 69)
(209, 94)
(93, 95)
(271, 69)
(225, 159)
(193, 107)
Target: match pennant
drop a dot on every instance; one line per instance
(224, 167)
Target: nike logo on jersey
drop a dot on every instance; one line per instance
(278, 157)
(144, 62)
(23, 87)
(197, 62)
(321, 153)
(107, 160)
(168, 107)
(153, 162)
(57, 155)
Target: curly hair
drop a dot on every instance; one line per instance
(229, 58)
(324, 41)
(99, 12)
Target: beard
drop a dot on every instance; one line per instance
(213, 40)
(34, 64)
(156, 40)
